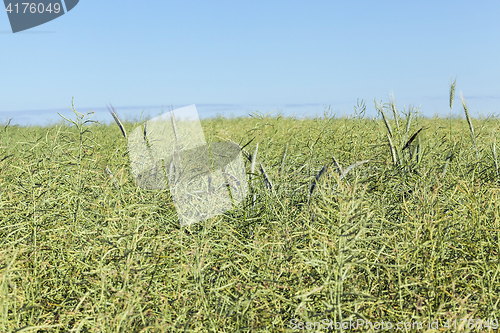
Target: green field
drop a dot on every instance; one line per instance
(409, 235)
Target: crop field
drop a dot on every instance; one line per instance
(348, 219)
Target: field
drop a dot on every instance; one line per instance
(350, 219)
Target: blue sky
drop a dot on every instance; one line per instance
(234, 57)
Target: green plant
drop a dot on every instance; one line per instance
(396, 235)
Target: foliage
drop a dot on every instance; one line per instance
(410, 235)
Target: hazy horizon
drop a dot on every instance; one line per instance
(237, 57)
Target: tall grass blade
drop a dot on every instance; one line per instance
(282, 164)
(408, 120)
(469, 120)
(394, 110)
(267, 180)
(351, 167)
(452, 93)
(117, 120)
(316, 179)
(452, 98)
(418, 151)
(252, 172)
(495, 157)
(408, 144)
(254, 159)
(337, 165)
(386, 121)
(8, 123)
(393, 150)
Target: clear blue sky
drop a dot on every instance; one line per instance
(232, 57)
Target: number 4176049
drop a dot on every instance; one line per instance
(33, 8)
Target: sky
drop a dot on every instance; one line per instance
(232, 58)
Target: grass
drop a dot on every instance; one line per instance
(409, 232)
